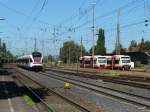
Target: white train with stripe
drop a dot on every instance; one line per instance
(32, 61)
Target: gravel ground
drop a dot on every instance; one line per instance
(57, 104)
(111, 85)
(105, 103)
(125, 73)
(124, 88)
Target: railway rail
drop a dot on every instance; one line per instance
(117, 94)
(118, 80)
(50, 90)
(47, 108)
(92, 74)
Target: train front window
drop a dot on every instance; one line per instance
(125, 61)
(102, 61)
(37, 56)
(30, 60)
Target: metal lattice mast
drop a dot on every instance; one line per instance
(118, 36)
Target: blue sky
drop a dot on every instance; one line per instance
(29, 19)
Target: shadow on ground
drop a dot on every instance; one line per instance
(11, 89)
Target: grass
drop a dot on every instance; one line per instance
(29, 101)
(140, 66)
(108, 73)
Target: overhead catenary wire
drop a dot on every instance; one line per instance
(22, 13)
(38, 14)
(104, 15)
(13, 10)
(74, 15)
(33, 9)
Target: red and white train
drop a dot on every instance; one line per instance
(107, 62)
(32, 61)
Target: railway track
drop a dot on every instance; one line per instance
(50, 90)
(114, 93)
(93, 75)
(124, 80)
(47, 108)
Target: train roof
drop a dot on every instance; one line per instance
(28, 56)
(121, 55)
(85, 57)
(95, 56)
(25, 56)
(101, 56)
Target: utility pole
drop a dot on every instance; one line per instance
(81, 48)
(69, 58)
(118, 35)
(54, 38)
(93, 27)
(69, 55)
(26, 48)
(42, 46)
(35, 44)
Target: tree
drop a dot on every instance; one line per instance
(144, 45)
(50, 58)
(133, 46)
(141, 45)
(133, 43)
(122, 50)
(70, 52)
(100, 47)
(90, 50)
(5, 55)
(4, 48)
(147, 46)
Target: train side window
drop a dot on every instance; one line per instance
(109, 62)
(30, 60)
(86, 62)
(26, 61)
(116, 61)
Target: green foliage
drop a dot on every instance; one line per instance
(70, 52)
(108, 73)
(133, 43)
(5, 55)
(29, 101)
(133, 46)
(142, 46)
(122, 50)
(100, 47)
(139, 65)
(51, 58)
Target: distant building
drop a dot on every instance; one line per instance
(139, 57)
